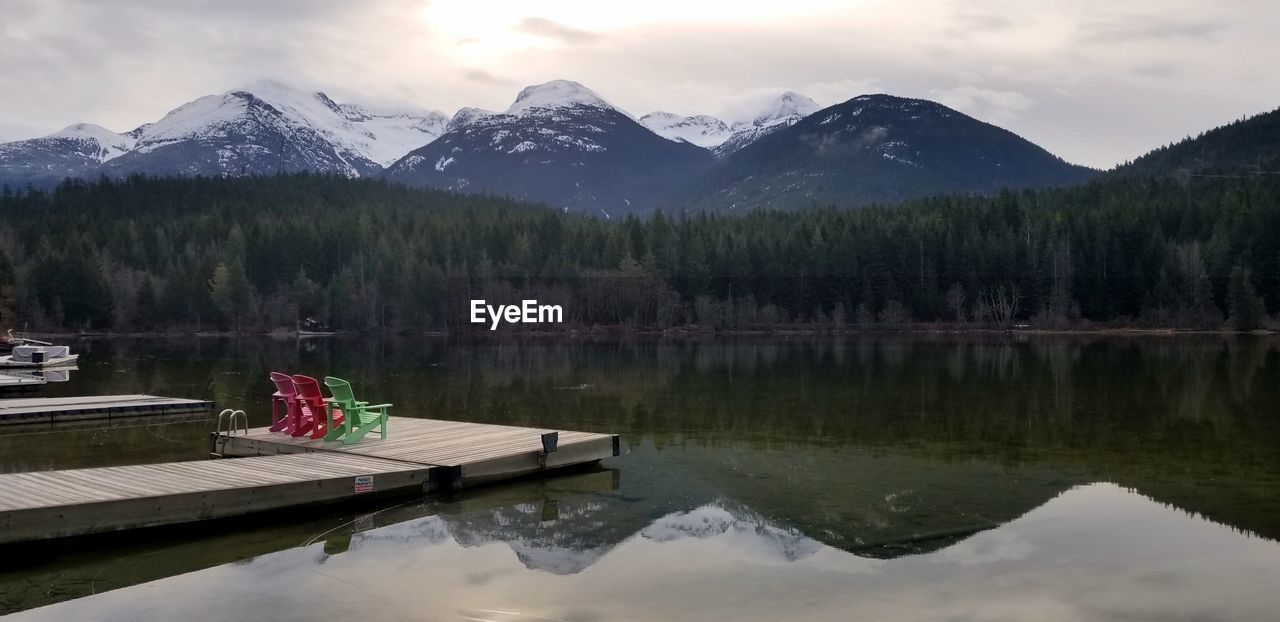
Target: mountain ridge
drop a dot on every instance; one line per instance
(877, 149)
(558, 143)
(1247, 145)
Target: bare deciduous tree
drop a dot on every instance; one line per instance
(1002, 303)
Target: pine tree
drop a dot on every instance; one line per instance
(231, 292)
(146, 305)
(1246, 307)
(8, 293)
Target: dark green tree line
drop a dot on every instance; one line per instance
(258, 253)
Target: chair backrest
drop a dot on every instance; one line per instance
(341, 389)
(283, 382)
(307, 388)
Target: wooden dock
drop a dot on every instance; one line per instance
(54, 504)
(90, 407)
(279, 471)
(461, 454)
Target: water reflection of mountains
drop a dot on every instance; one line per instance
(561, 548)
(566, 524)
(568, 534)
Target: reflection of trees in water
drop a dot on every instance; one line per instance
(1245, 359)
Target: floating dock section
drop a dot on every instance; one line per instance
(279, 471)
(19, 382)
(94, 407)
(460, 454)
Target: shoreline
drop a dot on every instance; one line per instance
(924, 329)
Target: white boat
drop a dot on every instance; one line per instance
(44, 355)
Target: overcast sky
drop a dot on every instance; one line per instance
(1095, 81)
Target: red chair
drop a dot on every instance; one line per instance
(313, 404)
(285, 412)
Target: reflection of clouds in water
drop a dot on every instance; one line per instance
(986, 548)
(1095, 552)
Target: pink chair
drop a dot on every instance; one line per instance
(285, 411)
(313, 403)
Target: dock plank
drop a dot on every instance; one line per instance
(51, 504)
(94, 407)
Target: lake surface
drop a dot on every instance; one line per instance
(877, 478)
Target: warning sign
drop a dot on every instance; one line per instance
(364, 483)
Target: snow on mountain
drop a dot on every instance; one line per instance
(385, 136)
(465, 116)
(559, 143)
(723, 138)
(74, 151)
(106, 143)
(789, 105)
(356, 132)
(782, 112)
(553, 95)
(702, 130)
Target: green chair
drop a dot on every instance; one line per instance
(359, 418)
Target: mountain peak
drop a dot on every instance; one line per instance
(109, 144)
(788, 104)
(465, 116)
(556, 94)
(267, 88)
(702, 130)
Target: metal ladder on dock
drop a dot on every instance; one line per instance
(218, 441)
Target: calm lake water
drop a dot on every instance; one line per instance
(877, 478)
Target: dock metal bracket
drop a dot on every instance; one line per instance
(550, 442)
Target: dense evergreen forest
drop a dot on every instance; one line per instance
(258, 253)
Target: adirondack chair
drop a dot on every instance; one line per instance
(317, 419)
(285, 410)
(361, 417)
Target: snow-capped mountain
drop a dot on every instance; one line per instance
(563, 144)
(260, 129)
(95, 141)
(269, 127)
(702, 130)
(74, 151)
(878, 149)
(559, 143)
(466, 115)
(724, 138)
(782, 112)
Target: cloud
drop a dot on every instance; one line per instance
(1137, 28)
(542, 27)
(1158, 70)
(483, 77)
(983, 102)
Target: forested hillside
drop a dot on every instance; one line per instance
(258, 253)
(1248, 146)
